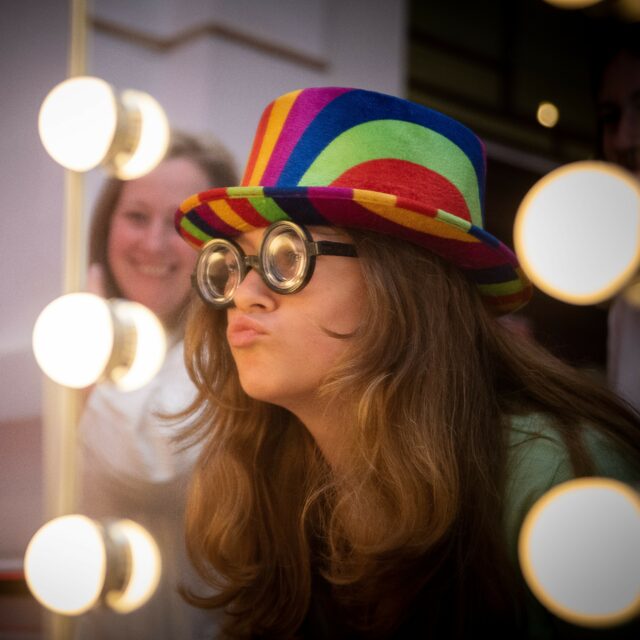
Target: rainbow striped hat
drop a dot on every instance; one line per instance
(359, 159)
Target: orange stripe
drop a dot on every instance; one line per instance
(257, 141)
(223, 210)
(190, 203)
(275, 122)
(385, 207)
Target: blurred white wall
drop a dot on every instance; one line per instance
(213, 65)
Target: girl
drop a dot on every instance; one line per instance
(372, 436)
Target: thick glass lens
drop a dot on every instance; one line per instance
(218, 273)
(284, 258)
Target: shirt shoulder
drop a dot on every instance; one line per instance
(538, 459)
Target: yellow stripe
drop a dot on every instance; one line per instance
(385, 207)
(278, 115)
(229, 216)
(190, 203)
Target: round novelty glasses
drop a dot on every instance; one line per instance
(285, 261)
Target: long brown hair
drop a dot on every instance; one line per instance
(417, 507)
(207, 152)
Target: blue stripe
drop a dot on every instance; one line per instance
(493, 275)
(193, 217)
(483, 236)
(300, 209)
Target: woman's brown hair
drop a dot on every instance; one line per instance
(207, 153)
(412, 523)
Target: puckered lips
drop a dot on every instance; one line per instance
(243, 331)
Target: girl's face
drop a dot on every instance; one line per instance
(281, 343)
(151, 264)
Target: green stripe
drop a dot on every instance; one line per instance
(268, 209)
(449, 218)
(191, 229)
(501, 289)
(244, 192)
(380, 139)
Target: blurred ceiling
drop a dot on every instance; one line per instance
(490, 63)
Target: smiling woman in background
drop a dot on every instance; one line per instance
(372, 436)
(131, 466)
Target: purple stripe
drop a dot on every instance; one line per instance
(306, 107)
(208, 222)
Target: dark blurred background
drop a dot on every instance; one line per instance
(490, 64)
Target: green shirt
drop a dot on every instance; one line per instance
(537, 461)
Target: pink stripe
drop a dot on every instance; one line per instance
(307, 106)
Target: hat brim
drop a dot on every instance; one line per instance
(228, 212)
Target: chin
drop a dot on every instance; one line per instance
(262, 389)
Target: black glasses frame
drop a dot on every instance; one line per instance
(313, 248)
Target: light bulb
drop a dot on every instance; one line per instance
(577, 232)
(572, 4)
(144, 569)
(65, 564)
(77, 122)
(80, 338)
(72, 563)
(83, 122)
(150, 345)
(579, 549)
(73, 339)
(548, 114)
(153, 139)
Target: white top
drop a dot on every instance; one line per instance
(133, 469)
(125, 430)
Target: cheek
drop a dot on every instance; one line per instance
(120, 239)
(185, 255)
(345, 312)
(312, 350)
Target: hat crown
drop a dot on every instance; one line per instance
(364, 160)
(360, 139)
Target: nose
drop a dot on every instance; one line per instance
(157, 237)
(252, 294)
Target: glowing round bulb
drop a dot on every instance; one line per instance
(77, 122)
(154, 136)
(150, 345)
(577, 232)
(579, 549)
(73, 339)
(572, 4)
(65, 564)
(548, 114)
(144, 570)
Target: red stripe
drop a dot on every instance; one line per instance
(246, 211)
(509, 301)
(410, 182)
(257, 143)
